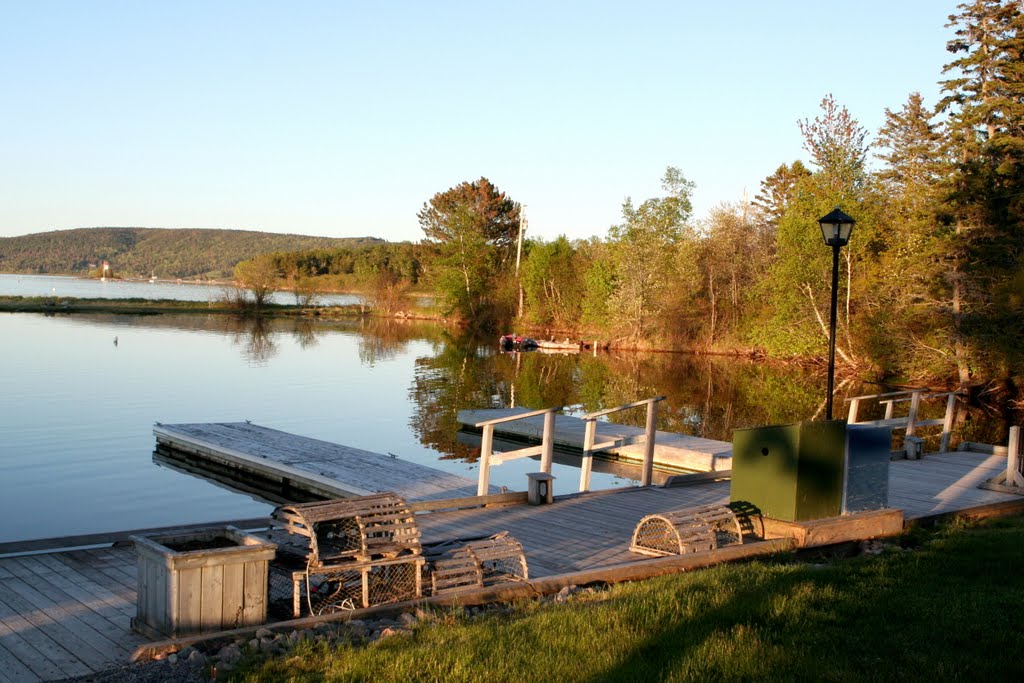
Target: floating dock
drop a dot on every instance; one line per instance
(671, 451)
(305, 466)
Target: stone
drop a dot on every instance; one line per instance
(186, 652)
(407, 619)
(264, 633)
(197, 658)
(172, 658)
(230, 653)
(391, 631)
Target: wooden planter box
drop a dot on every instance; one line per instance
(203, 580)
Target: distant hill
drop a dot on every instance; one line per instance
(140, 252)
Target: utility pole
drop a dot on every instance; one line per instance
(519, 256)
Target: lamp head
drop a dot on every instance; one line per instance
(836, 228)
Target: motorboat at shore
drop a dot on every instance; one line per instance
(514, 342)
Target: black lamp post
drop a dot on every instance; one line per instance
(835, 228)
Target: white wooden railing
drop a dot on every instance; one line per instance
(647, 438)
(912, 421)
(546, 449)
(1013, 476)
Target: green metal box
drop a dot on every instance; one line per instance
(791, 472)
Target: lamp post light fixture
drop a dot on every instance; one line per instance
(835, 229)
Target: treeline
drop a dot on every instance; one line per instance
(142, 252)
(932, 282)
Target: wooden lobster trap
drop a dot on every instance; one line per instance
(479, 563)
(360, 529)
(688, 530)
(348, 553)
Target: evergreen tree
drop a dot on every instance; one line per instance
(984, 100)
(910, 334)
(776, 193)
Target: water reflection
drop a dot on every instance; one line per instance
(383, 339)
(253, 335)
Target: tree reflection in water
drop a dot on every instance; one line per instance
(255, 336)
(707, 397)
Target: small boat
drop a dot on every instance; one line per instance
(565, 345)
(513, 342)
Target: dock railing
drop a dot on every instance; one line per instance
(647, 438)
(545, 450)
(911, 422)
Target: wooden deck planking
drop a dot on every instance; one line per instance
(39, 630)
(96, 590)
(943, 483)
(87, 629)
(101, 616)
(671, 450)
(320, 467)
(32, 663)
(67, 613)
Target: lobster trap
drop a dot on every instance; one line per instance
(477, 564)
(347, 554)
(364, 528)
(347, 586)
(688, 530)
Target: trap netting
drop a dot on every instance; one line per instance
(688, 530)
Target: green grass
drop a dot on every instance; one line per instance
(947, 608)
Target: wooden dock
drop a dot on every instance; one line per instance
(671, 451)
(67, 613)
(319, 468)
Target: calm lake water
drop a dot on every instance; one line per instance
(77, 411)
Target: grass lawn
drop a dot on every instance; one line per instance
(938, 606)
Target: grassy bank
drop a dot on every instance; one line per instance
(944, 606)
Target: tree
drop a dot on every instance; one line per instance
(777, 192)
(259, 276)
(645, 248)
(472, 228)
(837, 144)
(798, 280)
(730, 259)
(553, 284)
(912, 336)
(984, 100)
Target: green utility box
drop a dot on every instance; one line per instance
(791, 472)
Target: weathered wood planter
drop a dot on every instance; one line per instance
(206, 580)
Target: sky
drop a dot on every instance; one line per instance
(341, 118)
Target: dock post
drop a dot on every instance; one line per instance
(854, 409)
(486, 443)
(648, 467)
(1013, 474)
(588, 455)
(915, 407)
(548, 445)
(947, 423)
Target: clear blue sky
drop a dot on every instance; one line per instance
(341, 119)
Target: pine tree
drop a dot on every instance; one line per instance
(985, 103)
